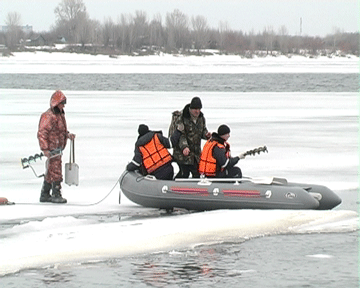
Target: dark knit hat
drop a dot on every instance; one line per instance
(223, 129)
(195, 103)
(143, 129)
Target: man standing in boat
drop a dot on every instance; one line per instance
(52, 135)
(151, 155)
(187, 152)
(215, 160)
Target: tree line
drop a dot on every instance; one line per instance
(136, 34)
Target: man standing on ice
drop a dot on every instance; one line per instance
(52, 135)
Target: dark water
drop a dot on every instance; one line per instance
(254, 263)
(274, 82)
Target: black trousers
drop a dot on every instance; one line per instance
(185, 171)
(165, 172)
(233, 172)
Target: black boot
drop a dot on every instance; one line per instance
(56, 193)
(45, 192)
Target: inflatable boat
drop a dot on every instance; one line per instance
(214, 193)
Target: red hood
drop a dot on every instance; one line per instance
(56, 99)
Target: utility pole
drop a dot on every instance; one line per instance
(300, 26)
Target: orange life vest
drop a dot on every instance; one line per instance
(207, 165)
(154, 154)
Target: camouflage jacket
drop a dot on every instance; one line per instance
(190, 137)
(52, 131)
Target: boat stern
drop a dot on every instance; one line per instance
(326, 197)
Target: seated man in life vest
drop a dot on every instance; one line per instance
(151, 155)
(215, 160)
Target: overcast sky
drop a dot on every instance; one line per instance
(319, 17)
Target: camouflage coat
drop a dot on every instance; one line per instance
(190, 137)
(53, 134)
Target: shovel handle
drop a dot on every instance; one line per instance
(72, 151)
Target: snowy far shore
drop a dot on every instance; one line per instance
(46, 62)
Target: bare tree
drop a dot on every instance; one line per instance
(123, 33)
(13, 19)
(132, 32)
(96, 32)
(283, 39)
(312, 44)
(71, 19)
(14, 32)
(140, 29)
(108, 32)
(337, 35)
(200, 32)
(252, 43)
(269, 37)
(69, 10)
(177, 29)
(87, 32)
(224, 30)
(156, 31)
(83, 30)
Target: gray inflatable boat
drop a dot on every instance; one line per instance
(214, 193)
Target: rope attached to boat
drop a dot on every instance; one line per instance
(69, 204)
